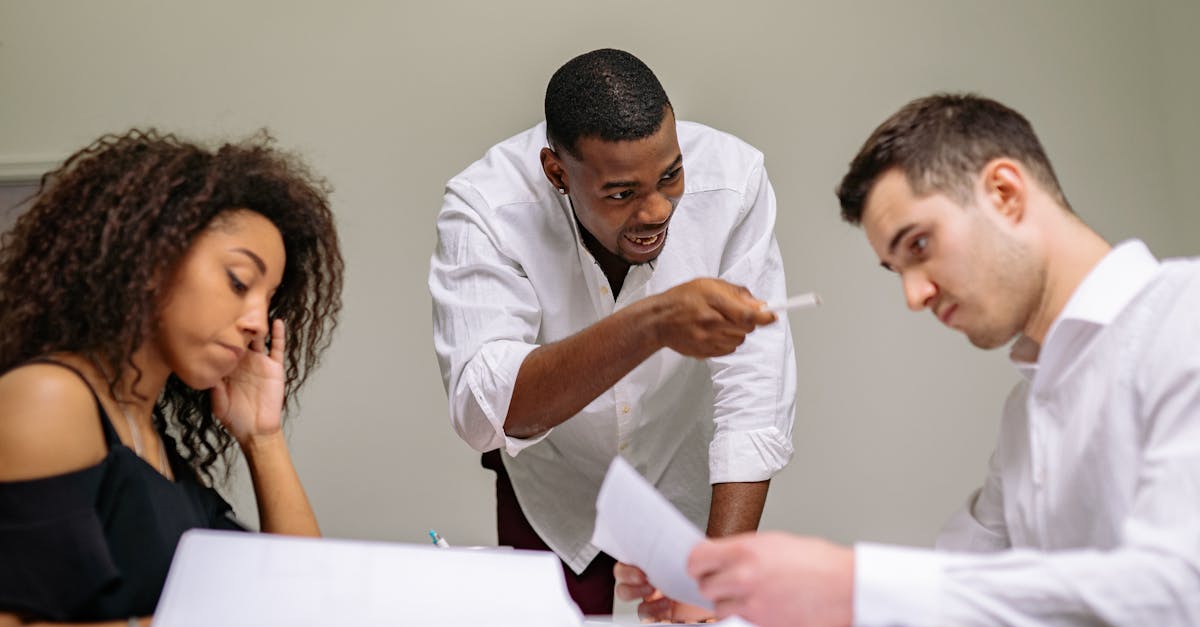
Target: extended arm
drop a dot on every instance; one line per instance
(702, 318)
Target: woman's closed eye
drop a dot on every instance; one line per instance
(236, 284)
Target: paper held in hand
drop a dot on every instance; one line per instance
(638, 526)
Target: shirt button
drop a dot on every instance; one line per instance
(623, 446)
(603, 290)
(624, 409)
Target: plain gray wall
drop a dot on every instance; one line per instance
(388, 100)
(14, 197)
(1178, 22)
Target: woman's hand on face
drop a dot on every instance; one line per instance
(249, 401)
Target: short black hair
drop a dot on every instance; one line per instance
(941, 142)
(604, 93)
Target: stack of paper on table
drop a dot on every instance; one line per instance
(260, 580)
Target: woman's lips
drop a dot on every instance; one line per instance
(238, 351)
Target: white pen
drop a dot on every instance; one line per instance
(438, 540)
(796, 302)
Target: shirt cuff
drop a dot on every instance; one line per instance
(491, 378)
(746, 456)
(896, 585)
(516, 445)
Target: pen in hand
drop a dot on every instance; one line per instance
(438, 540)
(796, 302)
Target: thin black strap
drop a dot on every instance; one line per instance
(110, 434)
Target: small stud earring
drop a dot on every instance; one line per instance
(562, 190)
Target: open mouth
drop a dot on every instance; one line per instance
(646, 240)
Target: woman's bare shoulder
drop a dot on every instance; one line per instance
(49, 423)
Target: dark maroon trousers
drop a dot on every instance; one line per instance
(592, 589)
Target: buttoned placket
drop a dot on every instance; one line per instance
(1063, 342)
(1039, 416)
(602, 302)
(622, 395)
(1037, 441)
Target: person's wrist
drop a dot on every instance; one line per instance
(258, 443)
(652, 314)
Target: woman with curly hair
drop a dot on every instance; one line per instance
(144, 301)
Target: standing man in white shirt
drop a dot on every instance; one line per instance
(1090, 512)
(568, 257)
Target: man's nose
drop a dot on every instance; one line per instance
(656, 209)
(918, 290)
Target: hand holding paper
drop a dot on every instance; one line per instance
(636, 525)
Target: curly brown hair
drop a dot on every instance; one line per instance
(80, 270)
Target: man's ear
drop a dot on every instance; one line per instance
(1006, 188)
(556, 173)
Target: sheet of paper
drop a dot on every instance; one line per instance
(234, 579)
(614, 621)
(637, 525)
(620, 621)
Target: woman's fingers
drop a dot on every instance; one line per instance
(277, 340)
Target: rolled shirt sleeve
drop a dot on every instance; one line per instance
(755, 386)
(485, 321)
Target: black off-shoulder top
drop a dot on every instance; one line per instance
(95, 544)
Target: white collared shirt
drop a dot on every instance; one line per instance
(1090, 512)
(510, 273)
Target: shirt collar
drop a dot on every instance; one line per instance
(1111, 285)
(1097, 301)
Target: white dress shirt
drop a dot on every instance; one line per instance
(1090, 512)
(511, 273)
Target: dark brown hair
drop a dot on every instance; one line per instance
(941, 142)
(81, 271)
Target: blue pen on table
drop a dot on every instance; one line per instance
(438, 540)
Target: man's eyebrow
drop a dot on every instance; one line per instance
(674, 164)
(262, 267)
(899, 236)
